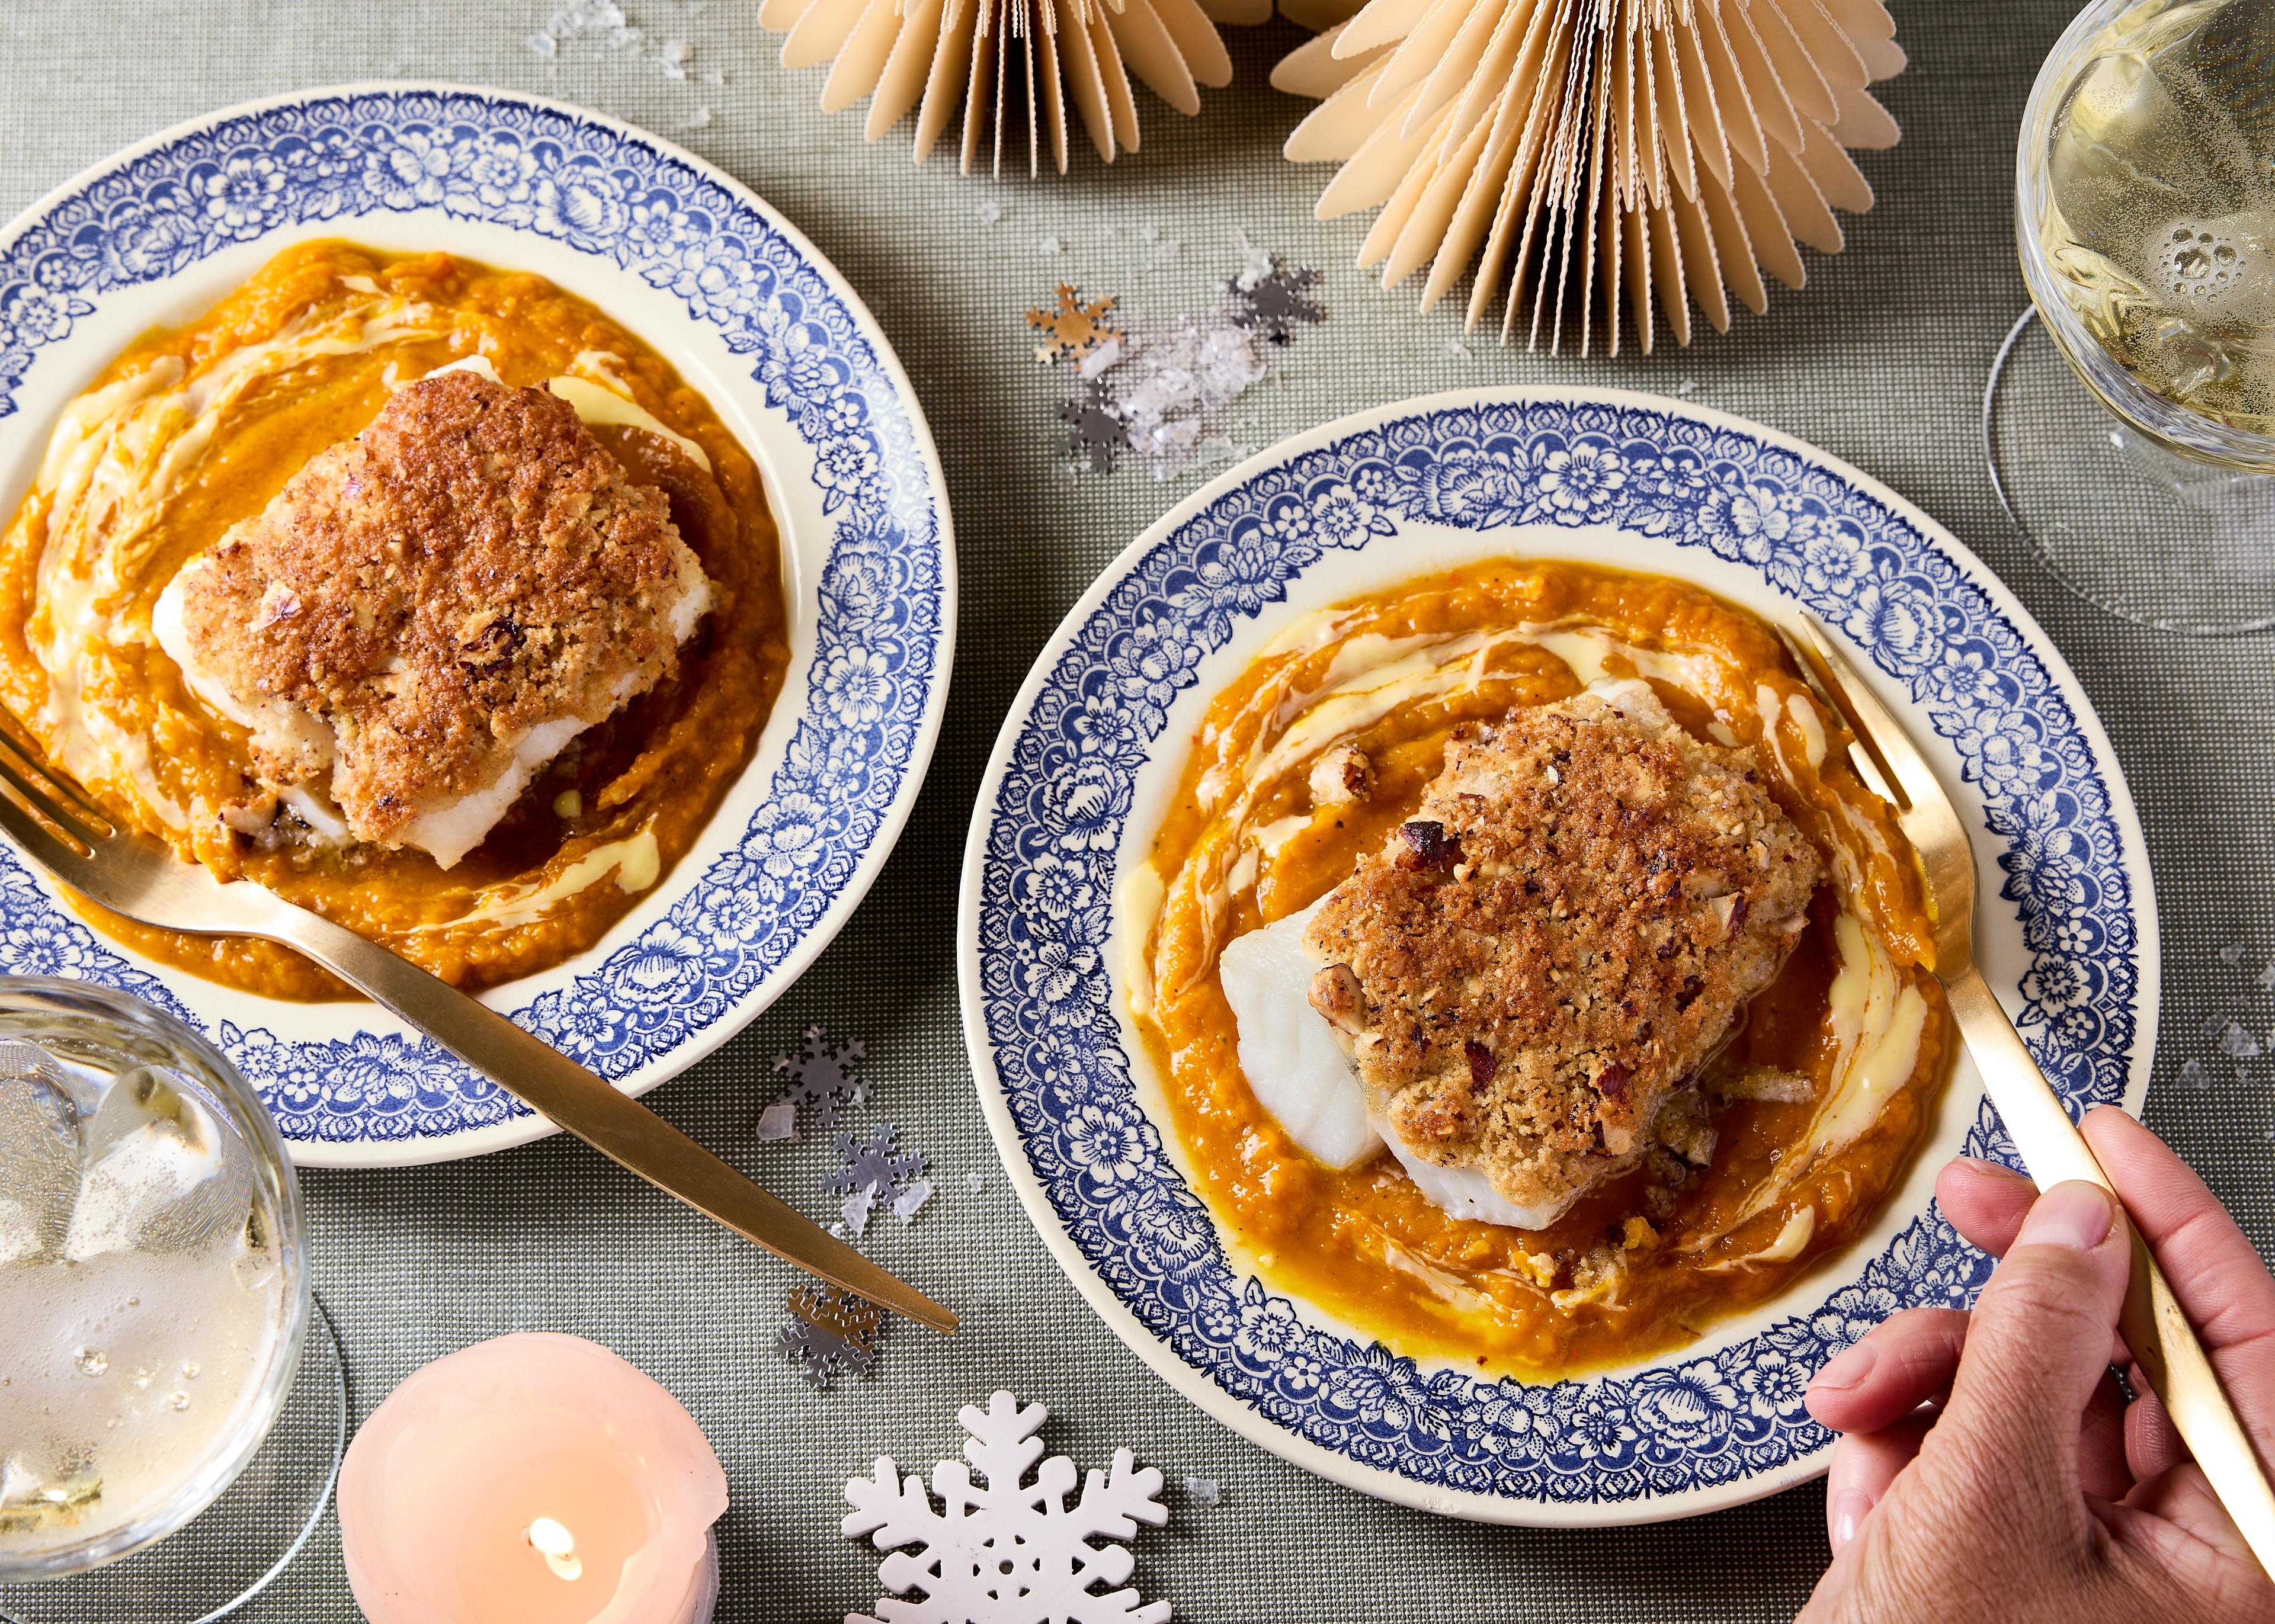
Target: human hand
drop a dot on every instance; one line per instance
(1990, 1469)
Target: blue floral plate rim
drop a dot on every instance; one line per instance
(1711, 1425)
(708, 273)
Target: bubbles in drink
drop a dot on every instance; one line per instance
(134, 1260)
(2159, 222)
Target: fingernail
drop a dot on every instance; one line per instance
(2075, 1214)
(1848, 1368)
(1848, 1514)
(1991, 1169)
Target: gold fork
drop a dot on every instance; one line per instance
(2054, 1150)
(61, 827)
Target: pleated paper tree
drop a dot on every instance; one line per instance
(1003, 66)
(1585, 154)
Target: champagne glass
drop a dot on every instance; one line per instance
(2145, 213)
(172, 1408)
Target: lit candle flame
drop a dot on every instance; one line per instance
(558, 1546)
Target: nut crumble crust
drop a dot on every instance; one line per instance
(1566, 931)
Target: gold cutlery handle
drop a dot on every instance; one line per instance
(614, 1124)
(2156, 1330)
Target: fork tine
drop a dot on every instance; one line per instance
(1862, 754)
(23, 826)
(1882, 733)
(37, 791)
(18, 754)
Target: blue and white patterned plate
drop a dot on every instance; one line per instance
(1091, 754)
(753, 316)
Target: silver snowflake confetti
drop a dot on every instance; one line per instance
(822, 1081)
(1003, 1548)
(828, 1333)
(1276, 303)
(875, 1165)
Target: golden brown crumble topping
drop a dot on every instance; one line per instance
(1561, 937)
(471, 565)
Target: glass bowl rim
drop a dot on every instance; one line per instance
(234, 1448)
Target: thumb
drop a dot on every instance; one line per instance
(2038, 1346)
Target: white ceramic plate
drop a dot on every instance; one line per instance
(754, 317)
(1093, 747)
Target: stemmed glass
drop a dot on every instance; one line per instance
(173, 1407)
(2145, 211)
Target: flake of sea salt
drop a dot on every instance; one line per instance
(778, 1121)
(2267, 977)
(974, 1183)
(1050, 245)
(990, 211)
(1255, 263)
(2238, 1044)
(1099, 360)
(700, 119)
(856, 1208)
(543, 44)
(2232, 953)
(1215, 449)
(1204, 1490)
(911, 1201)
(672, 61)
(1455, 347)
(712, 76)
(1685, 389)
(2193, 1075)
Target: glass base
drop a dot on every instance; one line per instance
(2156, 539)
(224, 1556)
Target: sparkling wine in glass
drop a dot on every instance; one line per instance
(2146, 220)
(163, 1450)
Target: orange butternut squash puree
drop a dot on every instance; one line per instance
(1364, 1243)
(656, 769)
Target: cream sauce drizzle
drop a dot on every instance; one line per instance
(634, 860)
(1141, 891)
(606, 404)
(1878, 1018)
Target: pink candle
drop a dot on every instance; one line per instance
(533, 1479)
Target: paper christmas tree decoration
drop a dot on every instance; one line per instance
(1584, 154)
(1006, 66)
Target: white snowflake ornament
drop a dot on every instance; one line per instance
(1006, 1551)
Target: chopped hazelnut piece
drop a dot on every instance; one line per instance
(1340, 776)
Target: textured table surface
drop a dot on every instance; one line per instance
(1880, 360)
